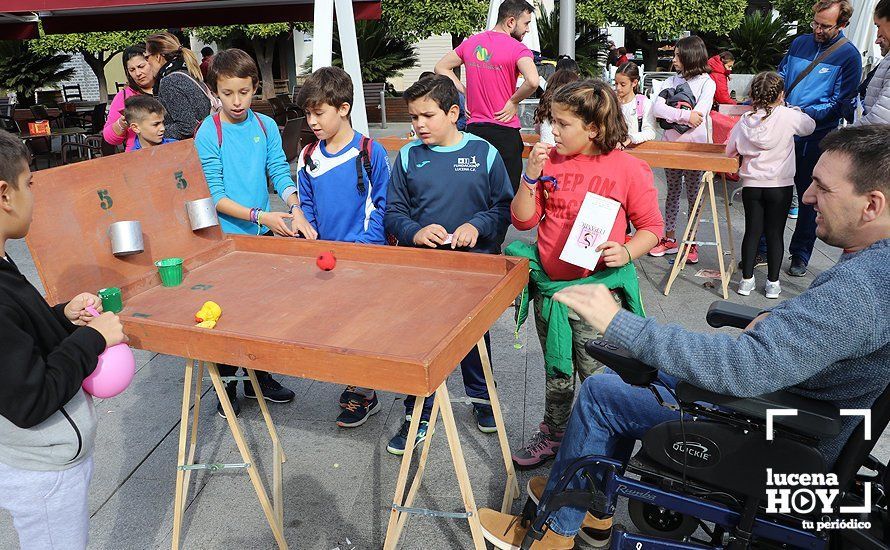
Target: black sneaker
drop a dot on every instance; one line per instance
(798, 267)
(347, 396)
(357, 411)
(484, 418)
(272, 390)
(758, 261)
(232, 392)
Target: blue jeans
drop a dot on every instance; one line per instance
(806, 155)
(608, 417)
(474, 381)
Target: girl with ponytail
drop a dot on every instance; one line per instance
(764, 138)
(179, 85)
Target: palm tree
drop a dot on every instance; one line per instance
(759, 43)
(591, 44)
(24, 71)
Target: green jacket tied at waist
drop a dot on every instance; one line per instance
(558, 356)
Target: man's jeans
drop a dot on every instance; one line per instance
(608, 417)
(806, 155)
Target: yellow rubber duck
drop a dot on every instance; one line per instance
(208, 315)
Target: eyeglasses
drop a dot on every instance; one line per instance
(819, 26)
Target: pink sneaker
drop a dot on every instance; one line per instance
(540, 448)
(665, 246)
(693, 255)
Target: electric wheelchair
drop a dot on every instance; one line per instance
(707, 470)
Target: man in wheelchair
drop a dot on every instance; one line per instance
(824, 350)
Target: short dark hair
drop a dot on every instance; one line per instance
(622, 50)
(693, 55)
(882, 10)
(845, 14)
(866, 148)
(596, 104)
(632, 71)
(331, 85)
(14, 158)
(439, 88)
(558, 79)
(426, 74)
(514, 8)
(232, 63)
(206, 51)
(566, 63)
(137, 107)
(726, 56)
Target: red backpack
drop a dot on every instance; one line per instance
(362, 160)
(218, 123)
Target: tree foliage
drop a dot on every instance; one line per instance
(414, 20)
(796, 10)
(759, 43)
(24, 70)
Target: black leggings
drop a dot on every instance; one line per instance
(509, 144)
(766, 209)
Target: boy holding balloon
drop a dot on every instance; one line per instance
(47, 422)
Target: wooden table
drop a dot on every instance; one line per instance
(427, 310)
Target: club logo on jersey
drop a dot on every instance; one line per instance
(422, 164)
(466, 164)
(482, 54)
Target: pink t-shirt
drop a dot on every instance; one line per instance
(490, 59)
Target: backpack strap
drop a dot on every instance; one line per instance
(307, 158)
(262, 126)
(640, 112)
(217, 122)
(363, 162)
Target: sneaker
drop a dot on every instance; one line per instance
(357, 411)
(484, 418)
(665, 246)
(232, 392)
(272, 390)
(397, 444)
(746, 286)
(798, 267)
(759, 261)
(792, 213)
(693, 255)
(347, 396)
(773, 289)
(507, 532)
(539, 449)
(594, 531)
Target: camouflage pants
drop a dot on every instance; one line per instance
(559, 389)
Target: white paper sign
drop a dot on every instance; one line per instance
(592, 228)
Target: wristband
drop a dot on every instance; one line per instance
(259, 226)
(629, 257)
(528, 180)
(292, 208)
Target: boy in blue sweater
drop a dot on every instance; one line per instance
(239, 149)
(343, 179)
(449, 189)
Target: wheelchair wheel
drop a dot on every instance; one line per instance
(660, 522)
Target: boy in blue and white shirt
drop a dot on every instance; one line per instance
(343, 179)
(448, 189)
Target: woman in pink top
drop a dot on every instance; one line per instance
(140, 80)
(691, 63)
(765, 140)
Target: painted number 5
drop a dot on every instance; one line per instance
(105, 199)
(180, 181)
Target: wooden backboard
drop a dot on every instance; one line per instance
(74, 206)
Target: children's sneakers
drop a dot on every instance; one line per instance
(347, 396)
(358, 410)
(540, 448)
(746, 286)
(272, 390)
(773, 289)
(484, 418)
(665, 246)
(398, 442)
(692, 258)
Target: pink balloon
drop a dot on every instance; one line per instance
(113, 374)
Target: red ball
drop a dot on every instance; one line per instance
(326, 261)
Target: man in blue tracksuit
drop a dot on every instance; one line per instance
(828, 95)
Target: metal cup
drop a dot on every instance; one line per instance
(202, 213)
(126, 238)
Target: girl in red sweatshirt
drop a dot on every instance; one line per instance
(588, 126)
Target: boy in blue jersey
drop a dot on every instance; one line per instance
(449, 189)
(239, 149)
(145, 117)
(343, 179)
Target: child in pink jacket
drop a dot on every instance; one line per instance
(765, 140)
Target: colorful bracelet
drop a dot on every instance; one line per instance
(259, 225)
(253, 212)
(528, 180)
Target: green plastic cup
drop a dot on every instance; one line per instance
(111, 299)
(170, 270)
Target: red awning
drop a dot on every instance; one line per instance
(67, 16)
